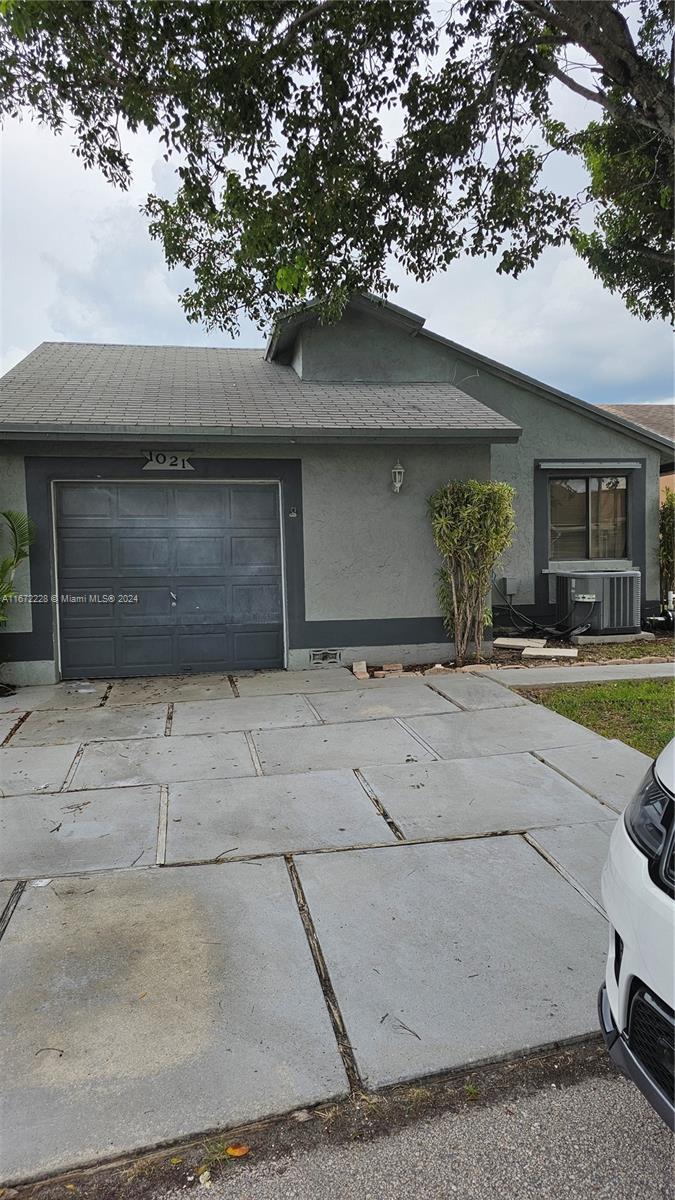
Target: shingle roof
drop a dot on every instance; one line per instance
(83, 386)
(658, 417)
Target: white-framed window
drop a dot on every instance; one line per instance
(588, 517)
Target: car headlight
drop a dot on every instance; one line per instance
(648, 816)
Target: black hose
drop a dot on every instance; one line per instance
(551, 630)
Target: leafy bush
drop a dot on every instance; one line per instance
(667, 543)
(472, 524)
(21, 534)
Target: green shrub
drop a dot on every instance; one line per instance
(667, 543)
(21, 534)
(472, 524)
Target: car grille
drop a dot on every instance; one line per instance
(651, 1037)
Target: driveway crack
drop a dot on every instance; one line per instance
(356, 1085)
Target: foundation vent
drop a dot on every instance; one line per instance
(325, 658)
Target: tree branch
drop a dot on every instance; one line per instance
(601, 98)
(656, 256)
(552, 68)
(599, 28)
(304, 18)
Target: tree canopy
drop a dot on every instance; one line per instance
(313, 140)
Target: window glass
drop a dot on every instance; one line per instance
(568, 519)
(608, 517)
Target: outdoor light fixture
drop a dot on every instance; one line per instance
(397, 474)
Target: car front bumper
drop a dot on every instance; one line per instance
(625, 1060)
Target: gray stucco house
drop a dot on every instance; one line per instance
(208, 509)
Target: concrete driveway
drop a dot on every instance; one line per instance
(224, 901)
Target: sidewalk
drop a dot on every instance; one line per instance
(576, 673)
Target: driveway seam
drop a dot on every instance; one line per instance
(457, 703)
(374, 798)
(8, 910)
(70, 774)
(509, 687)
(260, 856)
(252, 749)
(162, 825)
(356, 1085)
(315, 712)
(536, 754)
(418, 737)
(553, 862)
(446, 840)
(16, 726)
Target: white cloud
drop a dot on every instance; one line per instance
(78, 264)
(555, 322)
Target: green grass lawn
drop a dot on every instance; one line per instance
(639, 712)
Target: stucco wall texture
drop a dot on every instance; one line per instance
(363, 347)
(368, 553)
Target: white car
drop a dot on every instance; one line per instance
(637, 999)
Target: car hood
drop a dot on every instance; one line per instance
(664, 767)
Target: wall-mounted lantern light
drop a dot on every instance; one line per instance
(397, 474)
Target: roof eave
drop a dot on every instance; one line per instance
(229, 434)
(281, 337)
(594, 411)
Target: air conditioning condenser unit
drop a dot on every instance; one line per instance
(604, 601)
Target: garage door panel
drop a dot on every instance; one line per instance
(205, 648)
(143, 551)
(259, 603)
(84, 607)
(87, 500)
(200, 565)
(255, 551)
(92, 654)
(202, 603)
(143, 500)
(253, 504)
(260, 648)
(201, 550)
(200, 503)
(145, 650)
(83, 553)
(144, 603)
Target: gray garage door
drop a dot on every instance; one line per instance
(158, 578)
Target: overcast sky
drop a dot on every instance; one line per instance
(78, 265)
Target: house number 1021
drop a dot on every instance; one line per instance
(166, 460)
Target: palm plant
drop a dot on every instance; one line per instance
(21, 535)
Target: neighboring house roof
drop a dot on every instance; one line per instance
(87, 388)
(284, 333)
(659, 418)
